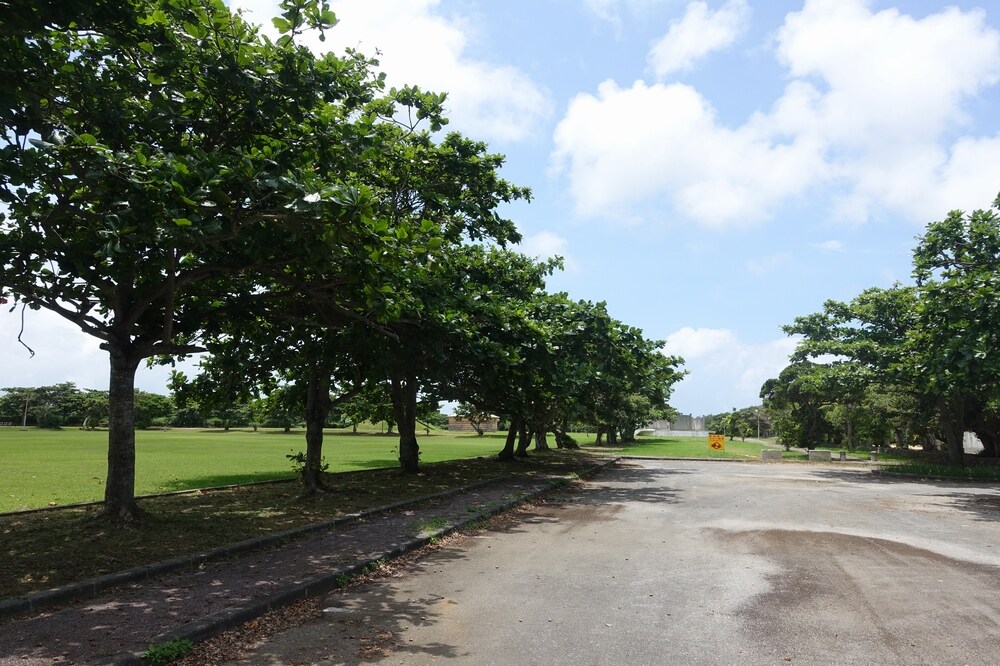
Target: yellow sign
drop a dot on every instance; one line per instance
(717, 442)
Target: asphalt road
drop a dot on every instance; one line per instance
(693, 563)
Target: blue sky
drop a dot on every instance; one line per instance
(710, 169)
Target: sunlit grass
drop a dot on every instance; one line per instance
(690, 447)
(54, 467)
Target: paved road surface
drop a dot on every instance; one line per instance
(694, 563)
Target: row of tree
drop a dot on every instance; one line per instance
(911, 364)
(754, 421)
(174, 182)
(65, 404)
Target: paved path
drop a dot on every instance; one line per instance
(122, 621)
(693, 563)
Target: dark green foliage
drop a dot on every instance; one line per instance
(908, 365)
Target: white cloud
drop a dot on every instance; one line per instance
(884, 90)
(699, 32)
(695, 343)
(663, 141)
(830, 246)
(420, 46)
(545, 245)
(876, 107)
(611, 10)
(725, 372)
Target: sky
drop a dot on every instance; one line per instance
(711, 170)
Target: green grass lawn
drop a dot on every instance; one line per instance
(54, 467)
(690, 447)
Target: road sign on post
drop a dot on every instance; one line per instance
(717, 442)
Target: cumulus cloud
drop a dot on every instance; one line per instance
(875, 108)
(611, 10)
(545, 245)
(883, 90)
(699, 32)
(830, 246)
(418, 45)
(725, 372)
(664, 142)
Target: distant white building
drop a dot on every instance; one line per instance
(685, 426)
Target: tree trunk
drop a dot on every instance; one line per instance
(953, 424)
(404, 407)
(523, 440)
(317, 409)
(600, 436)
(564, 441)
(850, 428)
(541, 440)
(612, 436)
(507, 453)
(119, 491)
(989, 440)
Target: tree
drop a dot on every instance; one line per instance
(796, 399)
(956, 343)
(153, 154)
(921, 354)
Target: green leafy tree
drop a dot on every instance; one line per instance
(955, 346)
(152, 156)
(797, 398)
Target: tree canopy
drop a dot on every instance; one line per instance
(174, 182)
(910, 363)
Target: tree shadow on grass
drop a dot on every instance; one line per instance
(209, 481)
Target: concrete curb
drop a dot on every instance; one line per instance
(228, 618)
(91, 587)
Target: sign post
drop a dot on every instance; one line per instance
(717, 442)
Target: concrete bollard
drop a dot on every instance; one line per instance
(819, 456)
(770, 454)
(874, 455)
(843, 456)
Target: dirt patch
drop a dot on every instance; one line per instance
(840, 589)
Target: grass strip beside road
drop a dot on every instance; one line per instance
(690, 447)
(44, 550)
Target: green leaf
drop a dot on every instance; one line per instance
(182, 222)
(87, 139)
(282, 25)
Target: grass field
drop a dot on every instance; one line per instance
(690, 447)
(54, 467)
